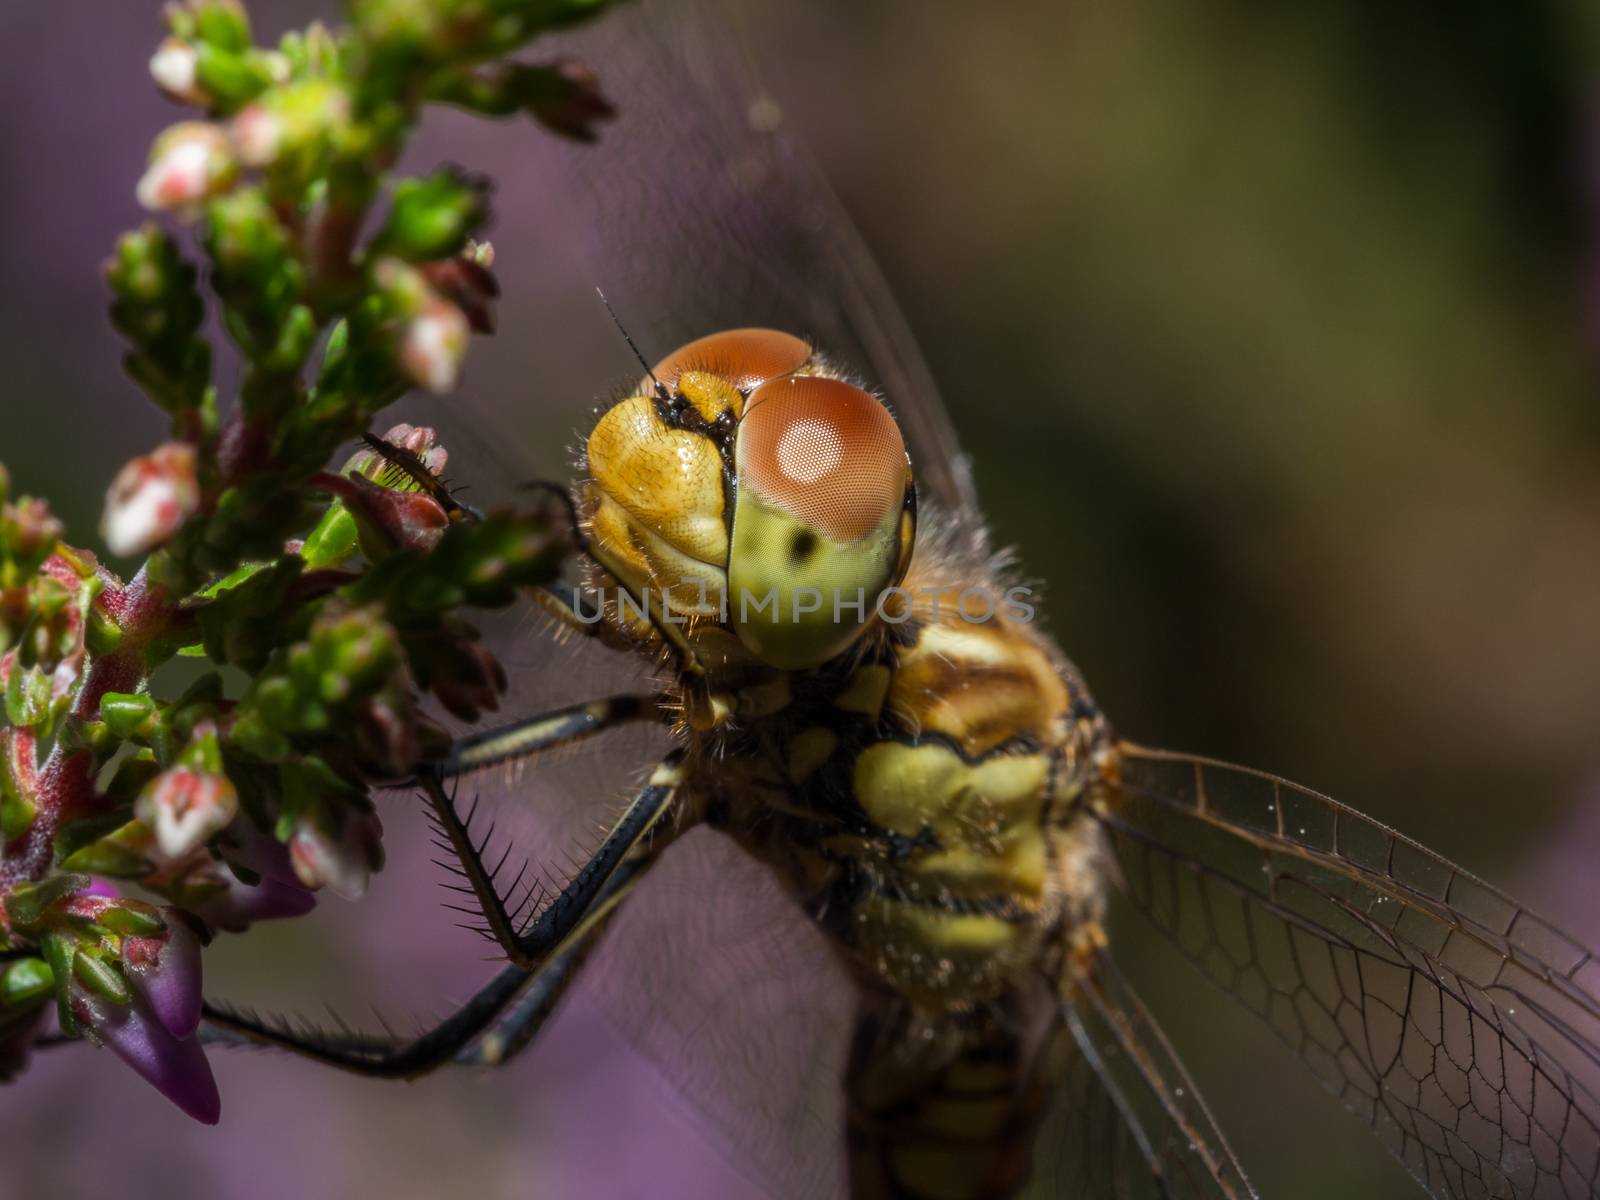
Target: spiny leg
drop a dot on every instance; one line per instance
(546, 731)
(527, 947)
(546, 961)
(406, 1058)
(516, 1029)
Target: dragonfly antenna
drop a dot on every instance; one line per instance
(643, 362)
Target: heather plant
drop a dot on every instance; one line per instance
(321, 613)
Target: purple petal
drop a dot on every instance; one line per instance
(258, 851)
(177, 1068)
(170, 979)
(236, 909)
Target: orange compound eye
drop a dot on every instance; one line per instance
(746, 358)
(825, 452)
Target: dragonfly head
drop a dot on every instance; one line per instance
(747, 486)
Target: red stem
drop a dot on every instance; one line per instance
(65, 787)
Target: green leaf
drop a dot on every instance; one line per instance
(433, 217)
(25, 903)
(333, 541)
(128, 715)
(109, 859)
(100, 976)
(133, 918)
(25, 981)
(59, 951)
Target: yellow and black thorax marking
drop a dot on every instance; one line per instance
(921, 803)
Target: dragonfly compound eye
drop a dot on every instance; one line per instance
(817, 525)
(746, 358)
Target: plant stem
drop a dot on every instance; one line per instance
(65, 783)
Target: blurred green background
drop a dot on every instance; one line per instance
(1272, 331)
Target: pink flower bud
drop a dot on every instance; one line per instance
(190, 162)
(186, 807)
(420, 440)
(150, 498)
(432, 345)
(467, 282)
(343, 862)
(175, 66)
(407, 520)
(257, 134)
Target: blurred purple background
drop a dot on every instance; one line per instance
(1267, 327)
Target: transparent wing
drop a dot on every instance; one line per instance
(721, 980)
(710, 972)
(698, 212)
(693, 212)
(1463, 1029)
(1129, 1123)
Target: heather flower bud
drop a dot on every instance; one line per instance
(150, 499)
(417, 440)
(431, 339)
(28, 535)
(257, 133)
(467, 282)
(175, 68)
(164, 969)
(386, 735)
(240, 905)
(222, 23)
(342, 859)
(192, 801)
(565, 97)
(431, 218)
(465, 675)
(291, 127)
(175, 1067)
(254, 883)
(432, 345)
(390, 519)
(189, 163)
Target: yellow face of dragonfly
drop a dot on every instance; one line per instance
(755, 492)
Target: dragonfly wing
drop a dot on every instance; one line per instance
(719, 978)
(710, 972)
(1462, 1028)
(1129, 1123)
(701, 213)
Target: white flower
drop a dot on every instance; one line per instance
(343, 863)
(186, 807)
(189, 163)
(432, 345)
(150, 498)
(175, 68)
(257, 134)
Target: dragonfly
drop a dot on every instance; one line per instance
(883, 844)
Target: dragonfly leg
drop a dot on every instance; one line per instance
(579, 613)
(545, 959)
(547, 731)
(528, 945)
(392, 1057)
